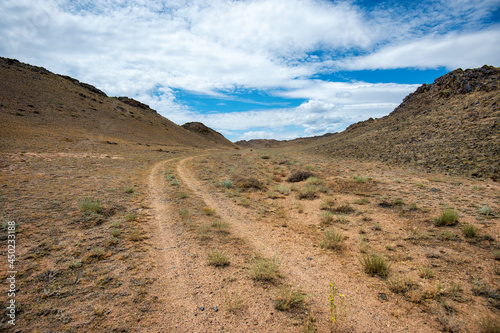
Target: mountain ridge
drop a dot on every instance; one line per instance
(36, 102)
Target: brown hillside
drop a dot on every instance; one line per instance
(36, 103)
(451, 125)
(209, 134)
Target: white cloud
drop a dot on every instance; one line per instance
(146, 49)
(452, 51)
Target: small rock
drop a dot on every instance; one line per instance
(433, 189)
(382, 296)
(202, 308)
(216, 309)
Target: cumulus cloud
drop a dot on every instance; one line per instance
(149, 49)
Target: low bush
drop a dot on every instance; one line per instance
(299, 176)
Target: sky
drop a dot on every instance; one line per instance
(255, 69)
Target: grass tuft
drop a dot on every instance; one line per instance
(90, 206)
(218, 259)
(332, 239)
(448, 217)
(469, 231)
(290, 298)
(264, 269)
(375, 264)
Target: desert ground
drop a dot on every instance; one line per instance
(142, 238)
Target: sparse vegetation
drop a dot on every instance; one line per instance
(427, 273)
(264, 269)
(359, 179)
(327, 218)
(233, 302)
(375, 264)
(308, 192)
(226, 183)
(448, 217)
(400, 284)
(338, 307)
(290, 298)
(90, 206)
(332, 239)
(469, 231)
(218, 259)
(219, 225)
(135, 235)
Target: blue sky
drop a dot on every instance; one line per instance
(255, 68)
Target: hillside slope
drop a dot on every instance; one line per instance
(209, 134)
(35, 103)
(451, 125)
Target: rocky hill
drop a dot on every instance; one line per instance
(209, 134)
(451, 125)
(36, 104)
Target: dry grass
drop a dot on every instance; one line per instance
(332, 239)
(375, 264)
(218, 258)
(264, 269)
(290, 298)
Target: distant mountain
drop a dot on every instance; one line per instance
(36, 103)
(271, 143)
(208, 134)
(451, 125)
